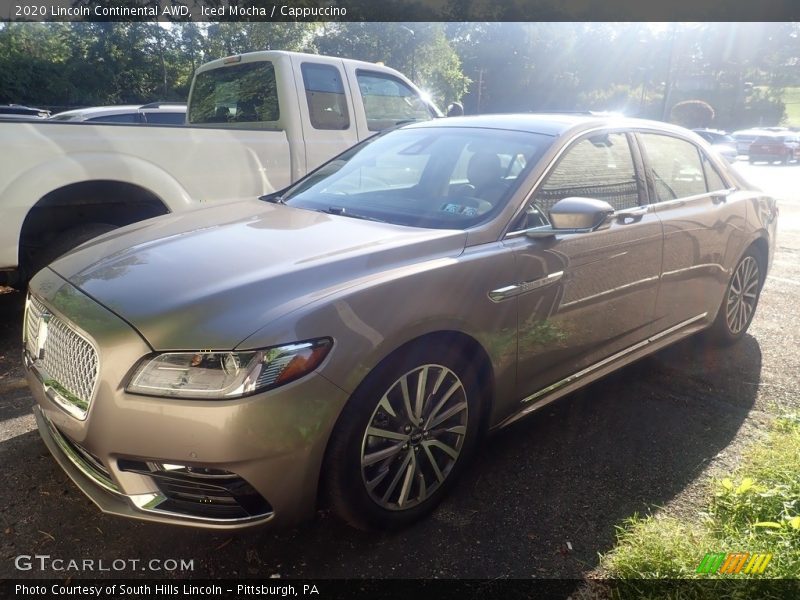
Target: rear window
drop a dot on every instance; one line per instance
(242, 93)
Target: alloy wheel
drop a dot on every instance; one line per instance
(742, 295)
(414, 437)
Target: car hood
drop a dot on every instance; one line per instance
(208, 278)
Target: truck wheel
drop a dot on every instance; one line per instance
(63, 243)
(403, 439)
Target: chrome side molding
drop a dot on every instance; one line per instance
(543, 396)
(509, 291)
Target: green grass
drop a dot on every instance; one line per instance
(791, 97)
(755, 509)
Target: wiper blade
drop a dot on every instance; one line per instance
(342, 212)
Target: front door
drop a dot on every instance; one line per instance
(586, 296)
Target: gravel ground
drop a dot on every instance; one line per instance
(541, 500)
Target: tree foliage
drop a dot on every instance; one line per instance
(638, 68)
(692, 114)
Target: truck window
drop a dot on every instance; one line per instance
(240, 93)
(121, 118)
(388, 101)
(327, 103)
(165, 117)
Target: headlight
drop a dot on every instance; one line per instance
(226, 375)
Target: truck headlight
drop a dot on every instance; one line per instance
(207, 375)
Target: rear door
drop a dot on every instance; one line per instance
(703, 227)
(326, 108)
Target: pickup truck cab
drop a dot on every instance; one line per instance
(255, 123)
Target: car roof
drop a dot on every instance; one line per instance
(19, 109)
(97, 111)
(554, 124)
(752, 131)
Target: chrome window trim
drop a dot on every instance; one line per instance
(701, 152)
(506, 234)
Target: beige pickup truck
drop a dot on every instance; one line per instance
(255, 123)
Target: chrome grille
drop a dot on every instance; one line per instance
(33, 317)
(67, 360)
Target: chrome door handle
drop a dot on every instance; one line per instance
(632, 213)
(721, 196)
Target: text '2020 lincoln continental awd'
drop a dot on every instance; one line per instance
(352, 336)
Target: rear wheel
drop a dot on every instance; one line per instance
(741, 299)
(403, 439)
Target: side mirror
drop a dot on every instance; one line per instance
(579, 213)
(574, 215)
(456, 109)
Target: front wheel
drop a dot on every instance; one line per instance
(402, 439)
(741, 299)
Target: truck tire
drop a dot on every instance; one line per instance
(63, 243)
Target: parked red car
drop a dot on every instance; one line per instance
(771, 148)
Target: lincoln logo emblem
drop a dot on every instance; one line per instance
(41, 338)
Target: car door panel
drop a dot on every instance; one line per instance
(602, 303)
(702, 228)
(604, 299)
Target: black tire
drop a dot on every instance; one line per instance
(727, 328)
(63, 243)
(344, 477)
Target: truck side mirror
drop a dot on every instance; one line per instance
(456, 109)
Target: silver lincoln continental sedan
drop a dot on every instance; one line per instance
(348, 340)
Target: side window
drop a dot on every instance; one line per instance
(123, 118)
(388, 101)
(327, 103)
(165, 118)
(675, 165)
(713, 180)
(599, 167)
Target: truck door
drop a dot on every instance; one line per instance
(383, 100)
(326, 108)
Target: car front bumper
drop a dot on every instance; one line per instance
(214, 464)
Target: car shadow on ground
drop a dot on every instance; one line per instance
(542, 498)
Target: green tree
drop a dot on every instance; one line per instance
(419, 50)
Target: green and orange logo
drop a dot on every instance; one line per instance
(733, 563)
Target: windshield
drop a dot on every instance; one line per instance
(436, 177)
